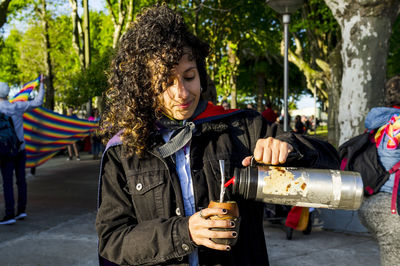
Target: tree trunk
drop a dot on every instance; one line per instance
(3, 11)
(325, 80)
(86, 32)
(86, 45)
(315, 77)
(260, 91)
(366, 29)
(77, 32)
(118, 23)
(233, 92)
(123, 16)
(210, 94)
(335, 62)
(233, 62)
(129, 19)
(49, 104)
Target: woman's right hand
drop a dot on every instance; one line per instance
(200, 228)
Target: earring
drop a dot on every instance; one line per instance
(201, 89)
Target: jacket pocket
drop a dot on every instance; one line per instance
(147, 191)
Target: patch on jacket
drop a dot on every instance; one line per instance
(214, 127)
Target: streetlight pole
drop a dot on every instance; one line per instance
(286, 21)
(285, 7)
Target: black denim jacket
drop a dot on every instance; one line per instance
(141, 219)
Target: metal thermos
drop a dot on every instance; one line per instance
(319, 188)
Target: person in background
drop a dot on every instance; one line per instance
(314, 122)
(250, 106)
(269, 114)
(15, 110)
(317, 122)
(375, 212)
(281, 119)
(95, 138)
(70, 112)
(225, 105)
(161, 165)
(307, 124)
(298, 125)
(32, 173)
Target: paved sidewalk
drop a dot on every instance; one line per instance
(59, 229)
(321, 247)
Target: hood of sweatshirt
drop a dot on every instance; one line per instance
(379, 116)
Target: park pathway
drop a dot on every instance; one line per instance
(60, 229)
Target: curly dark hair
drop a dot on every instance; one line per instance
(139, 72)
(392, 88)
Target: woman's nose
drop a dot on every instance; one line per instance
(182, 91)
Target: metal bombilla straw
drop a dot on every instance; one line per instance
(222, 169)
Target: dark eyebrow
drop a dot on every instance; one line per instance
(190, 68)
(190, 55)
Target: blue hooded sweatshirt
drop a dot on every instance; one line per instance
(17, 109)
(377, 117)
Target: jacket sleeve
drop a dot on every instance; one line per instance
(30, 105)
(308, 151)
(124, 240)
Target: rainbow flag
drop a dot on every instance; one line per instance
(392, 130)
(23, 94)
(47, 132)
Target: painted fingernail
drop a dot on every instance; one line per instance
(234, 234)
(228, 248)
(232, 224)
(224, 210)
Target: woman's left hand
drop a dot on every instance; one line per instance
(270, 151)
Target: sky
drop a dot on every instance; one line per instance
(306, 101)
(97, 4)
(94, 5)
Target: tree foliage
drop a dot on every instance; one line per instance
(9, 56)
(3, 11)
(394, 51)
(84, 84)
(244, 37)
(245, 62)
(316, 33)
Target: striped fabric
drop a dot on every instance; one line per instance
(23, 94)
(47, 132)
(392, 130)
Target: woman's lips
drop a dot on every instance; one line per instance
(185, 105)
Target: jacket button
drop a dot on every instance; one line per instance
(139, 186)
(185, 247)
(178, 211)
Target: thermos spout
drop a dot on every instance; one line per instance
(319, 188)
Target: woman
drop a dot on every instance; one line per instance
(298, 125)
(378, 212)
(70, 112)
(11, 164)
(161, 167)
(95, 139)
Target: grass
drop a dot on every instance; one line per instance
(322, 132)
